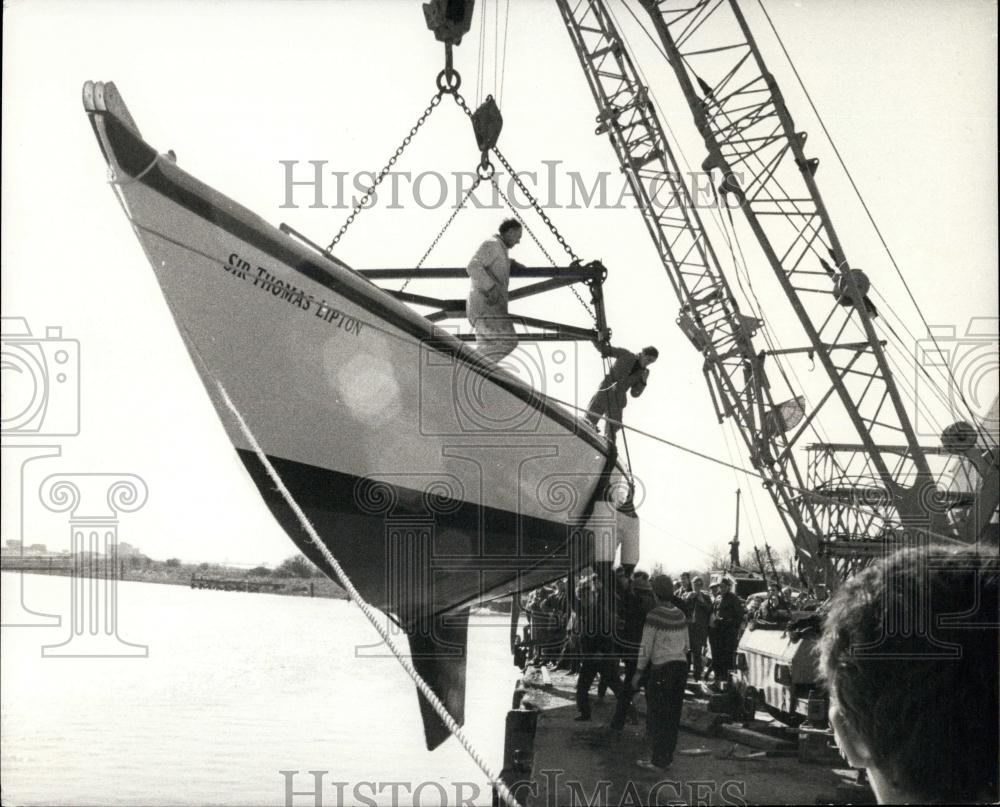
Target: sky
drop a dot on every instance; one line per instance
(239, 89)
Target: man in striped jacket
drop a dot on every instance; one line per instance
(663, 665)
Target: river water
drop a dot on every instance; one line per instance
(236, 687)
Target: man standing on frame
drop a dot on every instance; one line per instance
(486, 308)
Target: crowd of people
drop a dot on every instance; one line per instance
(645, 633)
(915, 708)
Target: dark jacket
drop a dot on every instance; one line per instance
(635, 604)
(700, 606)
(596, 624)
(626, 375)
(727, 611)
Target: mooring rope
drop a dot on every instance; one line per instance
(369, 611)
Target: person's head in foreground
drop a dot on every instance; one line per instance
(909, 655)
(663, 588)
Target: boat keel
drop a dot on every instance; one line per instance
(438, 648)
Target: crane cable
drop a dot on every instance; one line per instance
(503, 60)
(811, 494)
(481, 57)
(892, 258)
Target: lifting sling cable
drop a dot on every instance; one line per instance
(369, 611)
(481, 55)
(366, 608)
(503, 58)
(448, 83)
(892, 258)
(817, 497)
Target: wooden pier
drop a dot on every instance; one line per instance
(253, 586)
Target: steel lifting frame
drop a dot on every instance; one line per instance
(592, 274)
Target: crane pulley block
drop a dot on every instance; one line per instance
(487, 123)
(450, 20)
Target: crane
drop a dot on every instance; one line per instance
(855, 494)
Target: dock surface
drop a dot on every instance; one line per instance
(580, 763)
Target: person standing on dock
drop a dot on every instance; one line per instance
(700, 612)
(486, 308)
(598, 654)
(636, 602)
(727, 617)
(663, 665)
(627, 376)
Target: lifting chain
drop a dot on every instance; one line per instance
(487, 171)
(392, 160)
(574, 258)
(447, 224)
(527, 229)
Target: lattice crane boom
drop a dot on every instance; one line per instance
(710, 315)
(754, 146)
(857, 492)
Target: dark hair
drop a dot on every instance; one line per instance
(509, 224)
(663, 587)
(651, 351)
(922, 696)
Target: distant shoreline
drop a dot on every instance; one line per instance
(222, 580)
(219, 578)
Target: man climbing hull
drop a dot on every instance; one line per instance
(435, 478)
